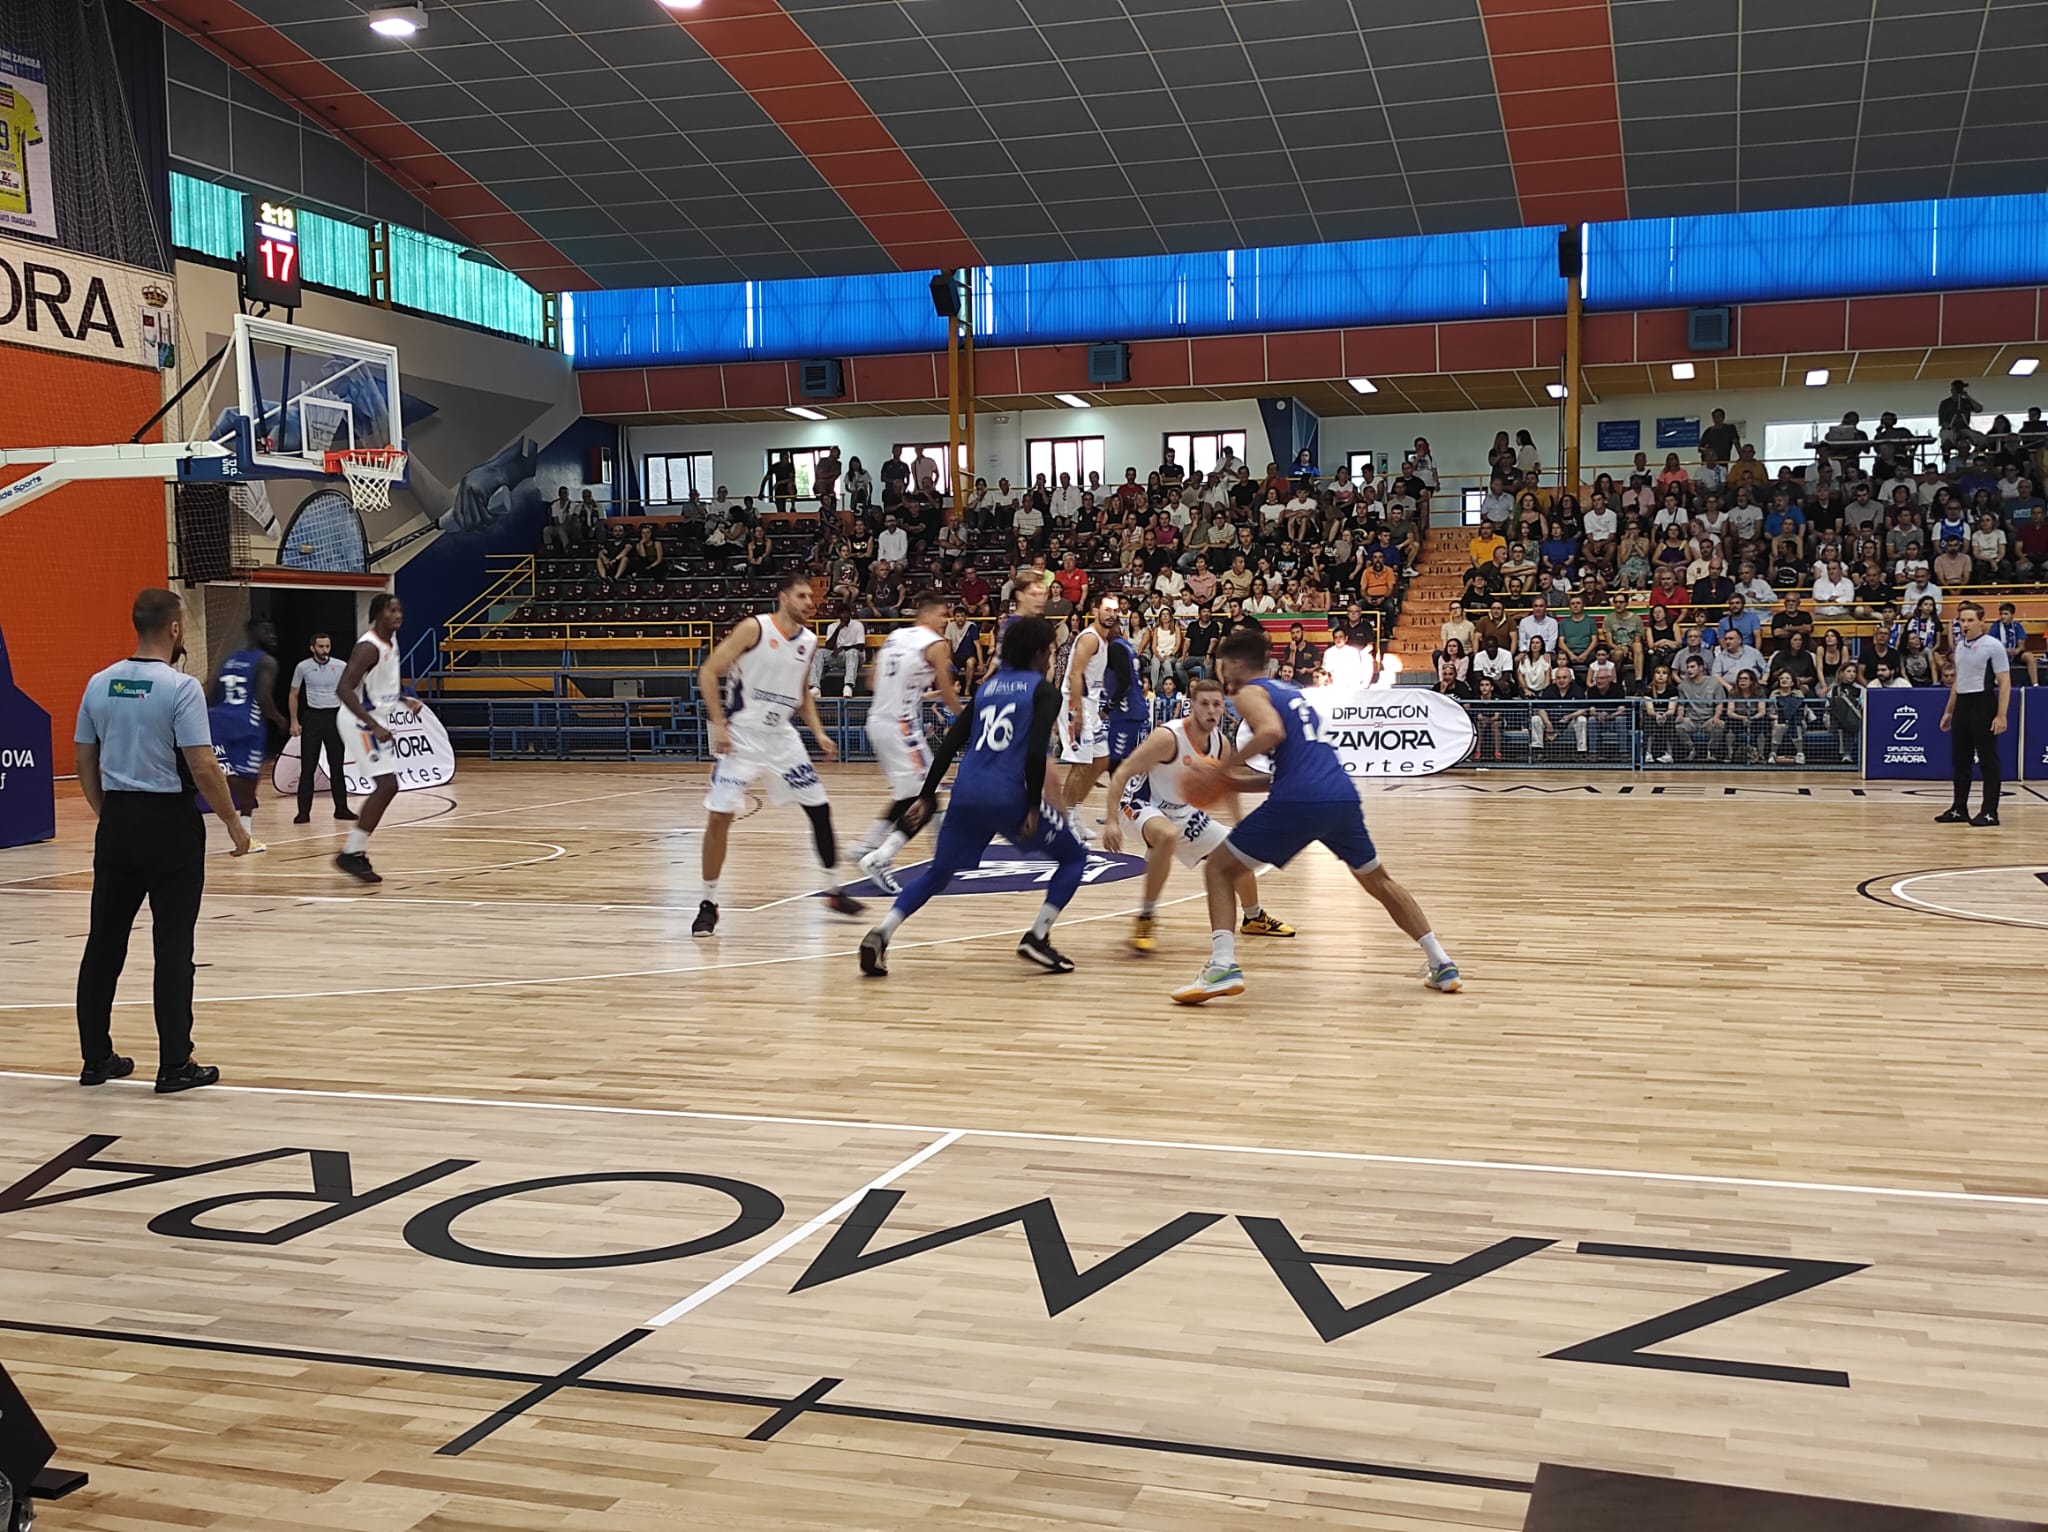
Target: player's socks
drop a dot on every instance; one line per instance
(892, 843)
(357, 843)
(1255, 912)
(247, 827)
(710, 894)
(1222, 949)
(1434, 950)
(1147, 909)
(1042, 926)
(890, 922)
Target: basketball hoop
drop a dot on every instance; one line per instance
(370, 472)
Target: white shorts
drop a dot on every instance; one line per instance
(1199, 834)
(776, 759)
(902, 753)
(361, 755)
(1093, 744)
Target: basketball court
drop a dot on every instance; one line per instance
(521, 1208)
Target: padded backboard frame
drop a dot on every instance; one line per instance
(294, 385)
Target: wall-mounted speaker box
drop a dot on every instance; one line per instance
(823, 380)
(946, 295)
(1570, 258)
(1708, 329)
(1109, 363)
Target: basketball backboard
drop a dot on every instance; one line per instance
(305, 393)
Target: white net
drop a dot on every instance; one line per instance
(370, 473)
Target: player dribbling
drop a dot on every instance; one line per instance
(914, 659)
(1150, 798)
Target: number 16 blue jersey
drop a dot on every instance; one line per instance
(991, 771)
(1305, 767)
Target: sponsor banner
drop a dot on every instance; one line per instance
(1393, 731)
(1619, 435)
(1902, 736)
(26, 200)
(28, 795)
(2032, 705)
(417, 739)
(57, 300)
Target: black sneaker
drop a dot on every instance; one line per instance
(1986, 820)
(874, 955)
(189, 1075)
(707, 919)
(840, 902)
(1040, 950)
(302, 819)
(112, 1067)
(357, 865)
(1952, 817)
(346, 816)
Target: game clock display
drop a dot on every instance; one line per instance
(270, 253)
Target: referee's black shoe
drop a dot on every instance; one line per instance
(189, 1075)
(112, 1067)
(1952, 817)
(1986, 820)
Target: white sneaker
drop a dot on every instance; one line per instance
(879, 870)
(1799, 758)
(256, 847)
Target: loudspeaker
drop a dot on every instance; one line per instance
(822, 380)
(1570, 259)
(25, 1447)
(1707, 329)
(1109, 363)
(946, 295)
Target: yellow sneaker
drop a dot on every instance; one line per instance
(1142, 934)
(1263, 924)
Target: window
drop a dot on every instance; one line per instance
(1784, 443)
(907, 453)
(1362, 466)
(1199, 451)
(806, 459)
(672, 477)
(1052, 456)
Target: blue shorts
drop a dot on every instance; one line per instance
(1125, 735)
(967, 830)
(1278, 831)
(241, 754)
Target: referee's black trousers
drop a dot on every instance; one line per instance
(1971, 742)
(150, 846)
(320, 730)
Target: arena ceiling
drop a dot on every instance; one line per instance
(618, 143)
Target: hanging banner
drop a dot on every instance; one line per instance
(56, 300)
(2031, 703)
(1619, 435)
(1678, 431)
(26, 200)
(418, 740)
(1903, 738)
(1387, 731)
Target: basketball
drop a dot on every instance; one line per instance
(1203, 781)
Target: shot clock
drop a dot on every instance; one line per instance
(270, 253)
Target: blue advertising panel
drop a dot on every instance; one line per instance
(2032, 702)
(1678, 431)
(28, 793)
(1902, 736)
(1619, 435)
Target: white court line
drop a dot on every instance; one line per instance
(1193, 1146)
(553, 803)
(593, 978)
(797, 1236)
(1898, 891)
(322, 867)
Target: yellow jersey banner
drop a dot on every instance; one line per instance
(26, 201)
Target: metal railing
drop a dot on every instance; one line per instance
(1642, 734)
(624, 729)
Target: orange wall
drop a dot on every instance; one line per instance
(72, 561)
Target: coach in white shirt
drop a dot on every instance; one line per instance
(1834, 593)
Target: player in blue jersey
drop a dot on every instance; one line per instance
(244, 700)
(1310, 798)
(1125, 708)
(1000, 741)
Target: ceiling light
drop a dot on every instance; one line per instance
(1073, 401)
(2024, 367)
(682, 5)
(1682, 371)
(398, 20)
(1555, 390)
(803, 412)
(1816, 377)
(1365, 385)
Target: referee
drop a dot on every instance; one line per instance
(1975, 714)
(143, 742)
(316, 725)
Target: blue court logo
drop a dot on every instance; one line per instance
(1013, 874)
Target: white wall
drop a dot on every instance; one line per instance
(1131, 433)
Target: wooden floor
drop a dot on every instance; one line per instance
(526, 1211)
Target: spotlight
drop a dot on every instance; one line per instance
(398, 20)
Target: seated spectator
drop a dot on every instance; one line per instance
(1072, 581)
(1738, 618)
(613, 556)
(1788, 719)
(1458, 628)
(1492, 662)
(1532, 670)
(1953, 569)
(1746, 717)
(1988, 551)
(843, 645)
(1551, 713)
(1834, 593)
(1487, 546)
(1700, 723)
(1495, 623)
(1577, 630)
(1795, 657)
(1454, 670)
(645, 557)
(1377, 583)
(1519, 565)
(1734, 656)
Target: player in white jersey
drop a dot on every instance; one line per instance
(769, 657)
(1149, 797)
(1084, 732)
(913, 660)
(370, 688)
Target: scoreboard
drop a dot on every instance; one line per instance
(270, 253)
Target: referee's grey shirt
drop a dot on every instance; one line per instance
(141, 714)
(1977, 661)
(322, 682)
